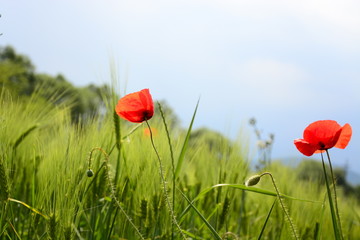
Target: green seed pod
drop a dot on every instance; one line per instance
(89, 173)
(252, 181)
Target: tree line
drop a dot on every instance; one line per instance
(19, 77)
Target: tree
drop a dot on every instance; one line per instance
(16, 72)
(312, 170)
(18, 76)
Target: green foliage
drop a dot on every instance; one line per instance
(17, 75)
(45, 159)
(311, 170)
(16, 72)
(48, 193)
(48, 171)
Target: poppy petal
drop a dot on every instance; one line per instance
(136, 107)
(345, 136)
(324, 133)
(146, 100)
(305, 147)
(134, 117)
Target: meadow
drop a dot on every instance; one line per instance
(100, 178)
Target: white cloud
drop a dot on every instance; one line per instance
(270, 82)
(328, 22)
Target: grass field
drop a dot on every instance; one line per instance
(46, 193)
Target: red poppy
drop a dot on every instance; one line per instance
(136, 107)
(147, 132)
(322, 135)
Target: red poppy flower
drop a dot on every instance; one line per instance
(136, 107)
(322, 135)
(147, 132)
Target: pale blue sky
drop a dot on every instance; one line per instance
(286, 63)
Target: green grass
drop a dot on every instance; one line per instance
(45, 159)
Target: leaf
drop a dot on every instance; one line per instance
(257, 190)
(29, 207)
(186, 142)
(243, 187)
(217, 236)
(266, 221)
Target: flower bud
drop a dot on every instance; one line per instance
(89, 173)
(252, 181)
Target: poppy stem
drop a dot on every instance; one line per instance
(164, 182)
(335, 194)
(332, 210)
(282, 204)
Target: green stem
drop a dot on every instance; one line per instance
(335, 194)
(332, 210)
(282, 204)
(164, 182)
(172, 164)
(266, 221)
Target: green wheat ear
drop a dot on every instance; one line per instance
(23, 136)
(4, 187)
(224, 212)
(143, 210)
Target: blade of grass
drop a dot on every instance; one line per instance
(13, 228)
(317, 234)
(243, 187)
(253, 189)
(193, 236)
(211, 214)
(112, 224)
(266, 220)
(186, 141)
(4, 229)
(29, 207)
(216, 235)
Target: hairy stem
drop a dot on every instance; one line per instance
(164, 183)
(282, 204)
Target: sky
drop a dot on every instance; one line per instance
(286, 63)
